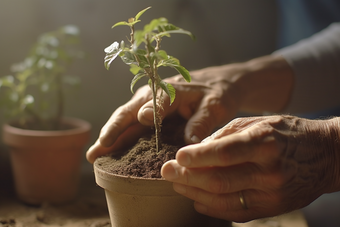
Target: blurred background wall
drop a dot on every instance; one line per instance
(226, 31)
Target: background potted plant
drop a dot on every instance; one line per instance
(142, 197)
(45, 147)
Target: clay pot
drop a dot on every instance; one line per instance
(46, 164)
(148, 202)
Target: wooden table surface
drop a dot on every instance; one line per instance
(88, 210)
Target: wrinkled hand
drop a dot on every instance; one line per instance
(280, 163)
(207, 102)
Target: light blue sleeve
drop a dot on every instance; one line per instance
(316, 65)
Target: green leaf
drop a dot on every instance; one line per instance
(135, 79)
(141, 52)
(178, 31)
(135, 69)
(132, 21)
(155, 24)
(166, 29)
(139, 38)
(184, 72)
(170, 61)
(140, 13)
(143, 61)
(120, 23)
(162, 55)
(174, 63)
(130, 24)
(169, 90)
(128, 58)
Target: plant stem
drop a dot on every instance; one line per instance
(154, 87)
(156, 117)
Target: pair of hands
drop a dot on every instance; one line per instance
(280, 163)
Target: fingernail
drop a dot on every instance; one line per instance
(200, 208)
(179, 188)
(195, 139)
(169, 172)
(148, 113)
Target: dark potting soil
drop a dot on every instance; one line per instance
(142, 160)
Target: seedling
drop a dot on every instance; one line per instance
(144, 62)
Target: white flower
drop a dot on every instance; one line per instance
(112, 52)
(112, 49)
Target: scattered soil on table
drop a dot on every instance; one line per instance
(89, 209)
(142, 160)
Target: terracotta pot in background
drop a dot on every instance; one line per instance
(46, 164)
(148, 202)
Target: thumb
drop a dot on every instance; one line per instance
(145, 113)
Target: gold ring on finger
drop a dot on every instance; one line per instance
(242, 200)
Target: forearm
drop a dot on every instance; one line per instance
(315, 62)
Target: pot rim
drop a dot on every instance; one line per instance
(114, 175)
(79, 127)
(74, 137)
(131, 184)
